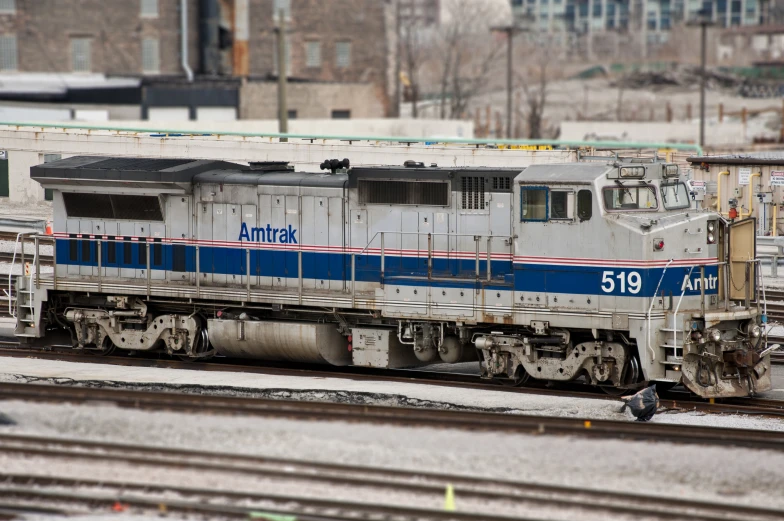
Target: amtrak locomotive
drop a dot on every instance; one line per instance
(598, 270)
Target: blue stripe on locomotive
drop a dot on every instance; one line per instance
(545, 278)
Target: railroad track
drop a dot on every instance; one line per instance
(479, 498)
(406, 416)
(671, 400)
(7, 256)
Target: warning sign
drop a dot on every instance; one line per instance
(698, 186)
(776, 178)
(743, 176)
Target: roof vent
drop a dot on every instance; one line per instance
(414, 164)
(335, 164)
(271, 166)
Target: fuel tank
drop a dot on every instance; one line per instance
(281, 341)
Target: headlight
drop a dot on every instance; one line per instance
(711, 238)
(711, 226)
(755, 331)
(715, 335)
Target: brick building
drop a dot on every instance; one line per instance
(229, 42)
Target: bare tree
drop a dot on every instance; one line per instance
(535, 82)
(413, 50)
(461, 56)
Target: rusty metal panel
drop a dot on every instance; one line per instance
(742, 248)
(381, 348)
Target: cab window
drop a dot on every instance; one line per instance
(675, 196)
(584, 205)
(533, 203)
(561, 205)
(630, 198)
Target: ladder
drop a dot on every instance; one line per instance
(25, 309)
(673, 340)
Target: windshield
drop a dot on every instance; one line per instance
(630, 198)
(675, 196)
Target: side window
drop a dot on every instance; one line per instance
(533, 203)
(584, 205)
(561, 205)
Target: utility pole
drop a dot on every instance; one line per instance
(283, 111)
(510, 31)
(704, 19)
(509, 69)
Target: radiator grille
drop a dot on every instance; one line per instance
(403, 192)
(502, 183)
(473, 193)
(105, 206)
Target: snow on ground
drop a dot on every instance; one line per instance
(348, 390)
(26, 211)
(692, 471)
(5, 268)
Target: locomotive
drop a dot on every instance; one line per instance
(598, 270)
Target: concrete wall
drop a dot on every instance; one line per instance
(727, 133)
(26, 146)
(22, 189)
(376, 127)
(259, 100)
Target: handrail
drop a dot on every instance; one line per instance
(389, 139)
(440, 234)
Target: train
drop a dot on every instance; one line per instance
(600, 271)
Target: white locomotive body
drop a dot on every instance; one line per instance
(593, 270)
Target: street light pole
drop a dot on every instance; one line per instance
(704, 19)
(703, 52)
(510, 31)
(509, 67)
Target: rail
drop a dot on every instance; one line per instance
(388, 139)
(773, 242)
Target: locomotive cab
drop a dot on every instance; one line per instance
(662, 292)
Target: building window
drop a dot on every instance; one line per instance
(81, 54)
(288, 55)
(285, 5)
(151, 61)
(341, 114)
(8, 53)
(7, 6)
(343, 53)
(313, 54)
(5, 190)
(292, 113)
(149, 9)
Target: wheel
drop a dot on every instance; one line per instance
(521, 378)
(107, 347)
(631, 376)
(201, 349)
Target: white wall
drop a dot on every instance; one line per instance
(376, 127)
(727, 133)
(26, 145)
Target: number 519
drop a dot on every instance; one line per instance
(630, 282)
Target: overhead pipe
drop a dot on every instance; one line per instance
(751, 196)
(718, 194)
(184, 39)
